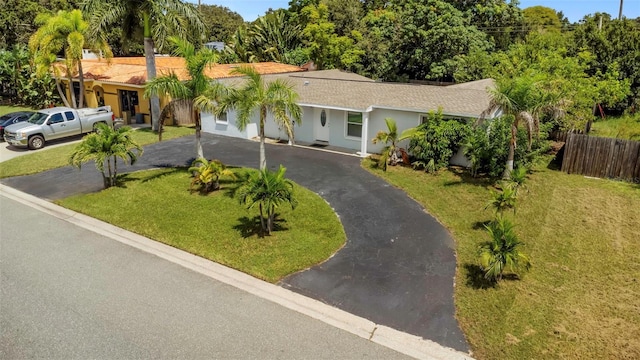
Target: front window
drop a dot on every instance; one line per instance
(354, 124)
(222, 118)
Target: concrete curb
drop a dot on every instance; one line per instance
(404, 343)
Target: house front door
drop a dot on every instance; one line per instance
(321, 124)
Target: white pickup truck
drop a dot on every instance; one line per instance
(56, 123)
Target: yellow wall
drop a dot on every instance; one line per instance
(112, 98)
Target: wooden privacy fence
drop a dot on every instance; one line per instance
(562, 135)
(602, 157)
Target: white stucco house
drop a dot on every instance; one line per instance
(346, 110)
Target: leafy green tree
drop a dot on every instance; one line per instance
(195, 92)
(21, 83)
(17, 18)
(219, 22)
(501, 20)
(65, 32)
(541, 18)
(104, 147)
(614, 46)
(257, 95)
(502, 251)
(431, 34)
(269, 190)
(207, 174)
(379, 31)
(345, 15)
(156, 19)
(326, 48)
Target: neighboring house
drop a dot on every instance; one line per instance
(119, 82)
(346, 110)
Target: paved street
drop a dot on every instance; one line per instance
(66, 292)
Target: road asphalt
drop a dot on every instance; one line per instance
(398, 266)
(69, 293)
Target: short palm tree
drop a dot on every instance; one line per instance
(518, 178)
(268, 189)
(276, 97)
(502, 251)
(157, 20)
(207, 174)
(187, 92)
(65, 32)
(503, 200)
(104, 147)
(525, 99)
(390, 138)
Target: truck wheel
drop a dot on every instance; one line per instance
(36, 142)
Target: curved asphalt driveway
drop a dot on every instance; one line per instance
(398, 266)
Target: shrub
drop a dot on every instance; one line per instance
(502, 250)
(436, 140)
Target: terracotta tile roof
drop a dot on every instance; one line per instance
(132, 70)
(467, 99)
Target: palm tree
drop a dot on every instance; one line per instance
(503, 200)
(390, 138)
(502, 251)
(65, 32)
(104, 147)
(207, 174)
(525, 100)
(198, 87)
(268, 189)
(158, 19)
(276, 97)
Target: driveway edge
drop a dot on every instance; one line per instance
(399, 341)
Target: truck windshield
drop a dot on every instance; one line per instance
(38, 118)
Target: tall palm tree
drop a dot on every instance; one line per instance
(67, 32)
(502, 251)
(525, 99)
(158, 19)
(268, 189)
(198, 87)
(104, 147)
(276, 97)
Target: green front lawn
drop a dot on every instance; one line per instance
(157, 204)
(581, 298)
(51, 158)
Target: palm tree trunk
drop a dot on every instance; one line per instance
(512, 152)
(81, 79)
(263, 158)
(261, 219)
(198, 121)
(270, 222)
(150, 59)
(61, 93)
(72, 93)
(115, 170)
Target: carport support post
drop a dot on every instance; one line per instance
(365, 134)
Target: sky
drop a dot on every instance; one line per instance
(572, 9)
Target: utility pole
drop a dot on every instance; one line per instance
(620, 13)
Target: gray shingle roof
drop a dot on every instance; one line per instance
(341, 90)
